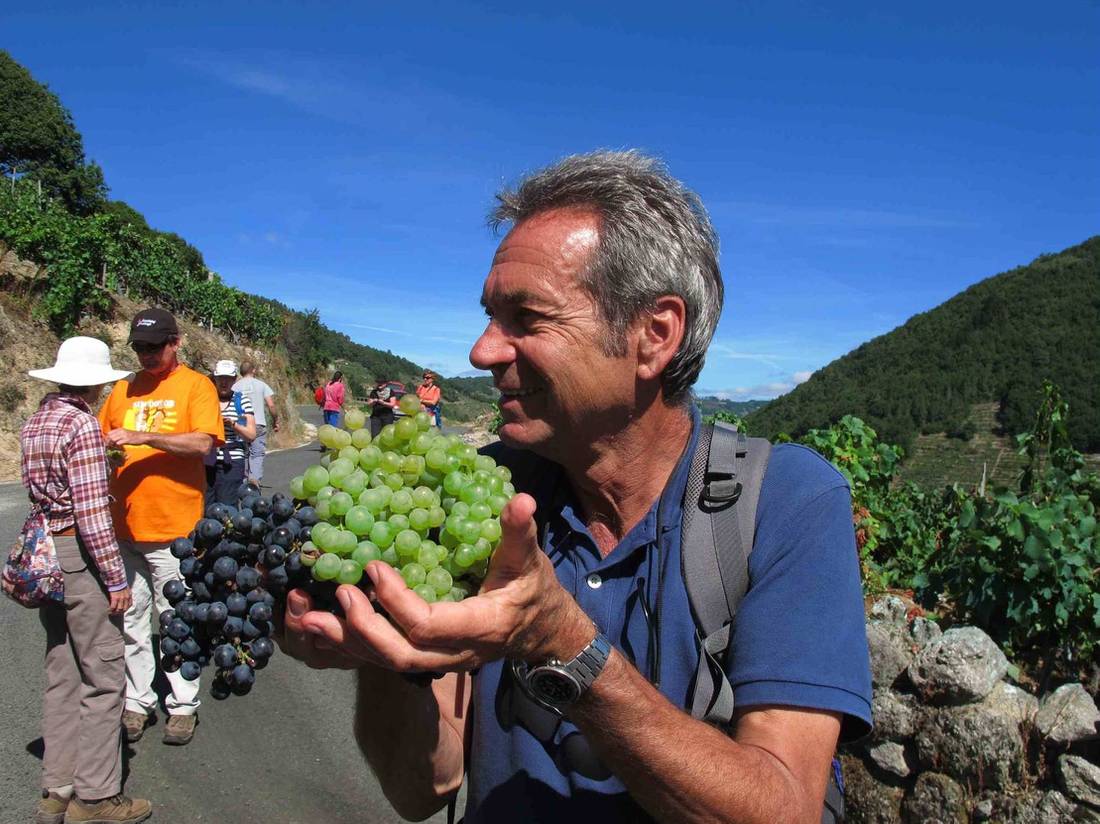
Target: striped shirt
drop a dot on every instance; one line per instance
(64, 469)
(235, 446)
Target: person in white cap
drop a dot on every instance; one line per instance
(225, 465)
(64, 468)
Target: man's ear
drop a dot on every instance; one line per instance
(660, 331)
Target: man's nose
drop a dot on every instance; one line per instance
(493, 348)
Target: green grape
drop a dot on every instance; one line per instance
(479, 568)
(418, 519)
(366, 552)
(360, 439)
(401, 502)
(454, 482)
(436, 516)
(373, 500)
(480, 476)
(328, 540)
(425, 592)
(351, 572)
(480, 511)
(422, 443)
(457, 593)
(369, 456)
(326, 459)
(327, 567)
(453, 524)
(341, 439)
(324, 509)
(350, 453)
(453, 463)
(423, 421)
(503, 472)
(407, 544)
(314, 478)
(356, 482)
(389, 555)
(430, 479)
(423, 497)
(448, 539)
(414, 574)
(490, 530)
(391, 462)
(447, 562)
(378, 478)
(359, 520)
(494, 484)
(340, 503)
(319, 530)
(507, 490)
(436, 458)
(297, 488)
(427, 557)
(386, 494)
(483, 463)
(483, 549)
(464, 556)
(455, 444)
(397, 521)
(326, 435)
(472, 493)
(409, 404)
(469, 531)
(348, 541)
(340, 469)
(325, 492)
(354, 419)
(387, 437)
(461, 508)
(395, 481)
(380, 535)
(412, 464)
(440, 580)
(496, 504)
(447, 502)
(405, 429)
(467, 455)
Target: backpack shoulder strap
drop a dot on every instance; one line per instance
(719, 523)
(238, 405)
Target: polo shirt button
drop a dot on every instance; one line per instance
(594, 581)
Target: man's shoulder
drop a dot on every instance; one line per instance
(796, 471)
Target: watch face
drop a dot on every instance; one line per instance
(553, 686)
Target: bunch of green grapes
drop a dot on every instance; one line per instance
(425, 503)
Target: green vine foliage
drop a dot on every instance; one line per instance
(88, 257)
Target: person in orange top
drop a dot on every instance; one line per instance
(165, 420)
(430, 395)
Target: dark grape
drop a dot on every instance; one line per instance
(200, 591)
(178, 629)
(166, 617)
(232, 627)
(217, 614)
(225, 656)
(262, 648)
(307, 516)
(225, 569)
(209, 531)
(190, 670)
(219, 690)
(259, 613)
(169, 646)
(181, 548)
(274, 556)
(175, 591)
(190, 649)
(237, 604)
(261, 507)
(185, 609)
(248, 578)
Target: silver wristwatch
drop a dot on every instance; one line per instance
(557, 684)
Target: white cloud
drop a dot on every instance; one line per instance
(802, 377)
(760, 391)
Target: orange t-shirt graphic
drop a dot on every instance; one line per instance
(159, 496)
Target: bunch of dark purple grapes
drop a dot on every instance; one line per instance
(237, 566)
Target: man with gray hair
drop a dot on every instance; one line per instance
(564, 685)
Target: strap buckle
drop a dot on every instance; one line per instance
(720, 488)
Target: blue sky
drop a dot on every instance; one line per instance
(862, 163)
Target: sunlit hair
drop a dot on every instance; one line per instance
(655, 239)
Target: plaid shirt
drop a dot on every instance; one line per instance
(65, 472)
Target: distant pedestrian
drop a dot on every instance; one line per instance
(431, 397)
(382, 403)
(64, 468)
(166, 419)
(334, 399)
(225, 464)
(263, 404)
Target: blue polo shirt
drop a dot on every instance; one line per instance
(799, 638)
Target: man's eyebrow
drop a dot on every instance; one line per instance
(514, 297)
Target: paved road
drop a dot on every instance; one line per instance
(283, 753)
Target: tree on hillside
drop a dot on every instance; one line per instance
(38, 140)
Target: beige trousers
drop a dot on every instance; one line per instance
(85, 682)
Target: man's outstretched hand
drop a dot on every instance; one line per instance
(522, 612)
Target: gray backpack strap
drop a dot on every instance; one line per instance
(719, 522)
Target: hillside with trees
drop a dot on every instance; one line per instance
(995, 342)
(91, 251)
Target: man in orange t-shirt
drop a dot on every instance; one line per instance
(165, 419)
(430, 394)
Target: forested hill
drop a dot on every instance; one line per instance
(996, 341)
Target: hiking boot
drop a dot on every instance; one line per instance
(180, 729)
(118, 809)
(51, 809)
(135, 723)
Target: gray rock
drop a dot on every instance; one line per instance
(924, 631)
(891, 653)
(983, 810)
(1067, 715)
(1015, 702)
(1047, 808)
(1080, 779)
(867, 801)
(936, 797)
(962, 665)
(894, 715)
(978, 744)
(890, 756)
(889, 610)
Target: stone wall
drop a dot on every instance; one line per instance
(956, 742)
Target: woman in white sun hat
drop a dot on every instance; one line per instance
(65, 472)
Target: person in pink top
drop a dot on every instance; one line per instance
(334, 399)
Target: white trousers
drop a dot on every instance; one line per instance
(149, 566)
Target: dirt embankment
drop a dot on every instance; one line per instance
(27, 343)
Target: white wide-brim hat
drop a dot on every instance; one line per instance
(81, 362)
